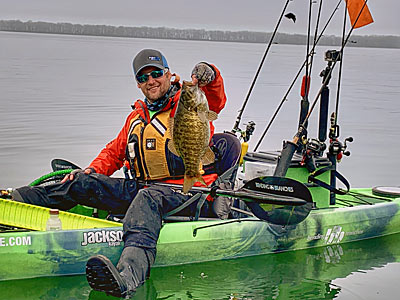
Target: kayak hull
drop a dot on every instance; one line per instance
(30, 254)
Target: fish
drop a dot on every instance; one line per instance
(190, 133)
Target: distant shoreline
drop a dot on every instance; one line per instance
(375, 41)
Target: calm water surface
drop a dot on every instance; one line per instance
(362, 270)
(67, 96)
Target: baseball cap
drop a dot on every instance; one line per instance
(147, 58)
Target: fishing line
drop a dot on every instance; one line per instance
(239, 117)
(295, 78)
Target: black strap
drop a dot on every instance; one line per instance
(199, 206)
(184, 205)
(312, 178)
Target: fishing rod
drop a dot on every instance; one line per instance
(289, 147)
(335, 60)
(316, 32)
(305, 86)
(340, 70)
(296, 77)
(307, 82)
(239, 117)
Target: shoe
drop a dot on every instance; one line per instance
(103, 276)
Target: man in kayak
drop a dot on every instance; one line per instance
(141, 145)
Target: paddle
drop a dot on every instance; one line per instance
(58, 164)
(277, 200)
(281, 201)
(259, 190)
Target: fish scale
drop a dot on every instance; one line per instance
(191, 143)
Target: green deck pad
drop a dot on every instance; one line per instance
(33, 217)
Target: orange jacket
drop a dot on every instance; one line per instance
(112, 157)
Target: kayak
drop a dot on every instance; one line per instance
(279, 219)
(27, 250)
(310, 273)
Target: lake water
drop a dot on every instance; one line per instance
(67, 96)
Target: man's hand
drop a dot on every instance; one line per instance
(202, 74)
(71, 175)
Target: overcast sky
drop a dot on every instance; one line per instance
(257, 15)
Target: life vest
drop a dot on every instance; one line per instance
(147, 146)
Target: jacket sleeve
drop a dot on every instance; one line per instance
(112, 157)
(215, 92)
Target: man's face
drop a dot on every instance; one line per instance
(154, 88)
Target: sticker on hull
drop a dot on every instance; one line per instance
(111, 237)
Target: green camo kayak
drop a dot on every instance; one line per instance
(311, 272)
(358, 215)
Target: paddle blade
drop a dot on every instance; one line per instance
(280, 186)
(58, 164)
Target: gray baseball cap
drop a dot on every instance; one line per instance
(147, 58)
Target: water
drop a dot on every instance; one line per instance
(67, 96)
(362, 270)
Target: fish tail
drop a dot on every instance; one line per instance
(189, 181)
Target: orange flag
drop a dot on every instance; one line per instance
(354, 7)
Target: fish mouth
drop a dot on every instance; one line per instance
(188, 83)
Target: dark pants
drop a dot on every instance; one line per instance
(143, 208)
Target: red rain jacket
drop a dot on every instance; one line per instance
(112, 157)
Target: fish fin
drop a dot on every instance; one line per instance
(209, 157)
(171, 148)
(212, 115)
(201, 179)
(171, 145)
(202, 116)
(189, 181)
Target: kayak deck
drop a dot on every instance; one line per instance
(34, 217)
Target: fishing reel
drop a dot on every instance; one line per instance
(250, 127)
(338, 149)
(247, 133)
(311, 148)
(315, 147)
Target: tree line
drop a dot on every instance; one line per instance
(191, 34)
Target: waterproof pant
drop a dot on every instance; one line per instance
(95, 190)
(144, 208)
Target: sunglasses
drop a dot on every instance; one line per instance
(155, 74)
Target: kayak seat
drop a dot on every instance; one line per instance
(227, 149)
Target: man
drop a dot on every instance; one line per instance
(142, 145)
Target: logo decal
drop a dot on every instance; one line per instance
(150, 144)
(111, 237)
(334, 236)
(271, 187)
(154, 58)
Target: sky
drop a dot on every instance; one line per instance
(253, 15)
